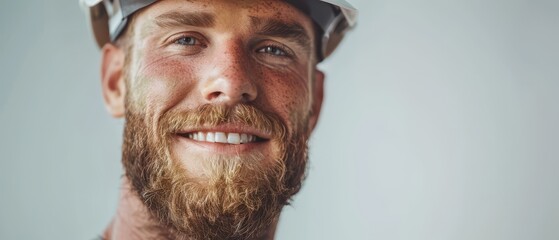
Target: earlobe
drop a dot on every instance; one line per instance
(318, 96)
(112, 79)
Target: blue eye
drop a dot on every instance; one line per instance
(273, 50)
(187, 41)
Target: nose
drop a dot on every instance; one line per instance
(230, 80)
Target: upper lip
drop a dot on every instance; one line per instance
(228, 128)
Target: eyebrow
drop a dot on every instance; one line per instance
(177, 19)
(276, 28)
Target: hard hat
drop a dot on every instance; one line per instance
(334, 18)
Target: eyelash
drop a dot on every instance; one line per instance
(273, 48)
(178, 39)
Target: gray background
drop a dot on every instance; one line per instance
(440, 122)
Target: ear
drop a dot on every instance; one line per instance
(112, 79)
(318, 96)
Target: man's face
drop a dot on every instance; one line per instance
(220, 98)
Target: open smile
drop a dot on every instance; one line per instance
(226, 134)
(223, 137)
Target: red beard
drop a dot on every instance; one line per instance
(239, 197)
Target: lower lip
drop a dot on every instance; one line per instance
(221, 147)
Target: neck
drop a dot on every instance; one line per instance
(133, 220)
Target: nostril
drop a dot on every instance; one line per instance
(214, 95)
(231, 89)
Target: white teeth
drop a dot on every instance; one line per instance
(244, 138)
(233, 138)
(201, 137)
(222, 137)
(210, 137)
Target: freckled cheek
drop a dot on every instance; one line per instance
(167, 81)
(289, 96)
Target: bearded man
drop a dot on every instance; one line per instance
(219, 99)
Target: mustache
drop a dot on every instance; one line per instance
(209, 115)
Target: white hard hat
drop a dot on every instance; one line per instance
(334, 18)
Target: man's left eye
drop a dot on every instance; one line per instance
(186, 41)
(273, 50)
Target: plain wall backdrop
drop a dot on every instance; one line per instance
(440, 122)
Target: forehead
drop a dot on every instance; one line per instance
(229, 14)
